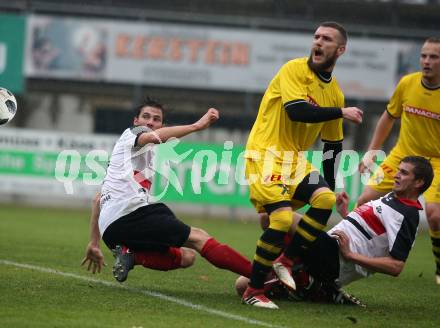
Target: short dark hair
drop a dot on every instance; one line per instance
(150, 102)
(342, 31)
(422, 170)
(432, 40)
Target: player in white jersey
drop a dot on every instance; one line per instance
(139, 231)
(375, 237)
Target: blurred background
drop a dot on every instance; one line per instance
(77, 69)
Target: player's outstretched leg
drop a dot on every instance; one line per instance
(124, 262)
(220, 255)
(170, 259)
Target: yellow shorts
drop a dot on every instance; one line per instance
(383, 180)
(271, 182)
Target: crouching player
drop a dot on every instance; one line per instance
(375, 237)
(138, 230)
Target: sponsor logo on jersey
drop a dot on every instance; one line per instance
(421, 112)
(105, 198)
(275, 177)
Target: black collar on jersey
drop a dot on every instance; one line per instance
(428, 87)
(324, 76)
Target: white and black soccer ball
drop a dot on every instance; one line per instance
(8, 106)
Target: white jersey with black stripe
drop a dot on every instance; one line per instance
(379, 228)
(128, 180)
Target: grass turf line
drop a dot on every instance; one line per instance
(196, 307)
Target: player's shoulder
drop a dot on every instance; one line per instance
(385, 197)
(135, 130)
(401, 205)
(127, 134)
(297, 63)
(415, 77)
(299, 68)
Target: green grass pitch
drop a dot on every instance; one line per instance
(49, 239)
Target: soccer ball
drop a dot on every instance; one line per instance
(8, 106)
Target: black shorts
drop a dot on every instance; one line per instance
(152, 227)
(322, 258)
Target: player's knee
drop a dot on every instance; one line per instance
(325, 199)
(197, 239)
(295, 220)
(199, 234)
(433, 210)
(433, 216)
(281, 220)
(264, 220)
(241, 284)
(188, 257)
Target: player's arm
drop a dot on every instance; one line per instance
(301, 111)
(342, 201)
(165, 133)
(94, 257)
(330, 163)
(381, 133)
(294, 93)
(332, 135)
(387, 264)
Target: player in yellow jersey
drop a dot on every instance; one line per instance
(302, 102)
(416, 101)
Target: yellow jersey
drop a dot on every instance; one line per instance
(419, 109)
(273, 131)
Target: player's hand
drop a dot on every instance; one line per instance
(94, 258)
(206, 120)
(344, 243)
(367, 162)
(352, 114)
(342, 201)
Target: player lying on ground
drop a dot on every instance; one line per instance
(141, 232)
(375, 237)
